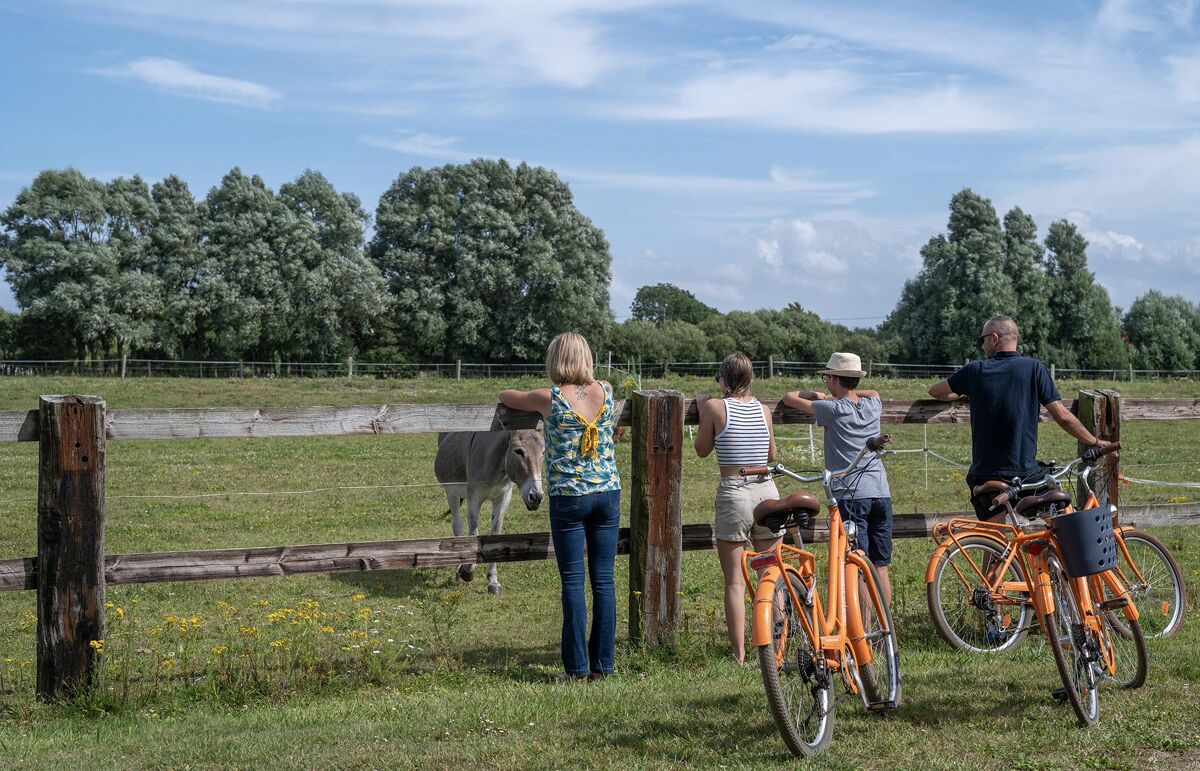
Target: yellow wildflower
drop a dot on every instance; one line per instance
(218, 650)
(97, 646)
(359, 597)
(247, 631)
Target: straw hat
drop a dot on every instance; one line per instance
(844, 364)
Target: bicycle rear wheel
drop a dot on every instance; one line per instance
(965, 613)
(1073, 647)
(881, 677)
(797, 682)
(1160, 597)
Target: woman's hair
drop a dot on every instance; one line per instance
(737, 373)
(569, 360)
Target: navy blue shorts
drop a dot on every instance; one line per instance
(873, 518)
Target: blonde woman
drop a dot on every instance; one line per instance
(738, 427)
(585, 498)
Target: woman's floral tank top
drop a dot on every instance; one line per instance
(579, 454)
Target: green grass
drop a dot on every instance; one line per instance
(464, 679)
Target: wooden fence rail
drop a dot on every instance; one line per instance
(209, 564)
(212, 423)
(72, 570)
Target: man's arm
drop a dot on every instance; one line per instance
(1069, 423)
(942, 392)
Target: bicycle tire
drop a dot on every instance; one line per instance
(1162, 595)
(966, 626)
(799, 687)
(881, 677)
(1129, 653)
(1073, 667)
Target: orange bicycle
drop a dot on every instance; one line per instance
(983, 573)
(804, 645)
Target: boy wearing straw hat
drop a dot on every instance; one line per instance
(850, 417)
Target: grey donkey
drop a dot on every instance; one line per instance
(478, 466)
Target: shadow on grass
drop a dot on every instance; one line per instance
(413, 584)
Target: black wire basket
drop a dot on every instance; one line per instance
(1085, 539)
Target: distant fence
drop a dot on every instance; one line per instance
(71, 570)
(609, 368)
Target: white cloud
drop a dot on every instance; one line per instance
(802, 42)
(563, 42)
(826, 100)
(1185, 76)
(181, 78)
(794, 245)
(777, 181)
(419, 143)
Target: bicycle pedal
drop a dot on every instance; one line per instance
(1059, 695)
(882, 706)
(1115, 603)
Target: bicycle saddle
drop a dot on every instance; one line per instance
(1037, 501)
(790, 511)
(994, 487)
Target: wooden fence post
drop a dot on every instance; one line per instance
(1100, 413)
(655, 525)
(70, 561)
(770, 366)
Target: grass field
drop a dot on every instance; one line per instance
(411, 669)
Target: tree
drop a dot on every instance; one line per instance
(1025, 266)
(257, 250)
(1087, 330)
(487, 260)
(59, 262)
(135, 299)
(666, 302)
(1163, 331)
(961, 285)
(341, 291)
(188, 277)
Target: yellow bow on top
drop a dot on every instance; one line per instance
(590, 441)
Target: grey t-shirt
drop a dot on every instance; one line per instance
(848, 426)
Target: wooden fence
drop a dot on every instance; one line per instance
(72, 569)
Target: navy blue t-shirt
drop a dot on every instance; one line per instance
(1007, 393)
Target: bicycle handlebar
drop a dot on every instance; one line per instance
(874, 446)
(1018, 486)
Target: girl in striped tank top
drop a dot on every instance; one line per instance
(738, 427)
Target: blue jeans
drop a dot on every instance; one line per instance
(575, 520)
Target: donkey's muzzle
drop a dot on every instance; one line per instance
(533, 499)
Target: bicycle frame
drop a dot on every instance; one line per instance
(832, 629)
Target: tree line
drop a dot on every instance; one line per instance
(486, 261)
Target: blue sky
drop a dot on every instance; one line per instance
(756, 153)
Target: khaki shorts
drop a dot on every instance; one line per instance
(736, 499)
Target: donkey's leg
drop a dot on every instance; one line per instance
(499, 506)
(474, 502)
(454, 498)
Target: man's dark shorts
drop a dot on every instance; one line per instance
(873, 519)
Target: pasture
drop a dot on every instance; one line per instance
(413, 669)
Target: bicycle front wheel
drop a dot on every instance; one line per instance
(1073, 647)
(880, 677)
(1159, 594)
(966, 613)
(797, 681)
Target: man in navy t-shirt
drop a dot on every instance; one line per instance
(1007, 392)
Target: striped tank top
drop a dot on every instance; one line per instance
(745, 440)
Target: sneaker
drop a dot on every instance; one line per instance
(996, 634)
